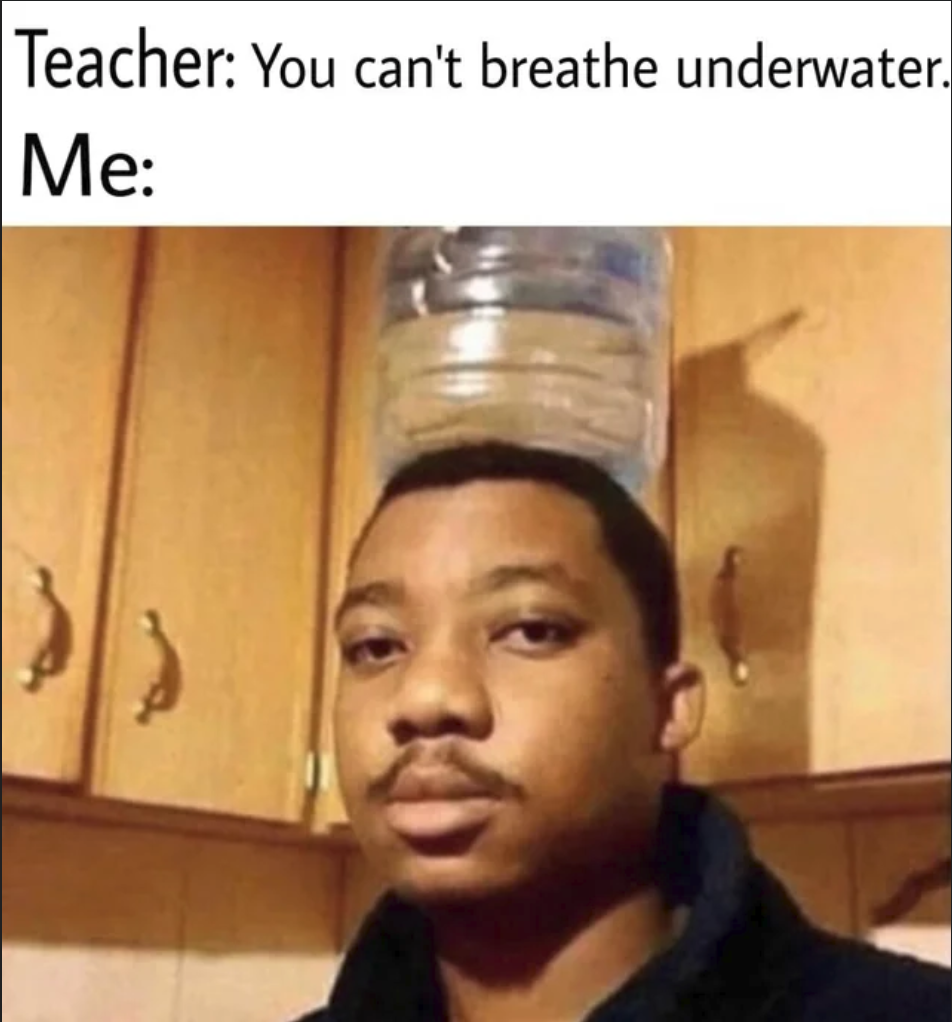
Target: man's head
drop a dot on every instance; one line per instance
(511, 694)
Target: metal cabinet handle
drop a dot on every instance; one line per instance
(163, 692)
(727, 616)
(52, 652)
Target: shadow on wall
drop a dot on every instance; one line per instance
(749, 487)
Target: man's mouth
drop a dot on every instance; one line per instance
(433, 803)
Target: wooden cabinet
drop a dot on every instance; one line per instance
(67, 301)
(117, 924)
(355, 484)
(190, 377)
(811, 467)
(882, 878)
(902, 890)
(811, 432)
(217, 577)
(189, 456)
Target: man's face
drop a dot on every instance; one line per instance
(496, 722)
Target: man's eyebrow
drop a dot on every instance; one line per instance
(389, 594)
(375, 594)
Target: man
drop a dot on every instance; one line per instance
(507, 719)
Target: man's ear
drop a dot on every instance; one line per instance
(682, 701)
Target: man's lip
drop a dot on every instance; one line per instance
(434, 819)
(435, 784)
(433, 802)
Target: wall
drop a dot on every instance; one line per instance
(109, 924)
(104, 923)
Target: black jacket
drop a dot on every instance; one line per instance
(747, 953)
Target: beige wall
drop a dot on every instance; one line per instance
(108, 924)
(105, 923)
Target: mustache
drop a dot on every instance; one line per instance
(452, 757)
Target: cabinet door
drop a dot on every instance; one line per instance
(215, 610)
(812, 482)
(355, 482)
(67, 296)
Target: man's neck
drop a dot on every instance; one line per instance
(550, 961)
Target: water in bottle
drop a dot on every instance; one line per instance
(553, 337)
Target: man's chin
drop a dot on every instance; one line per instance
(447, 881)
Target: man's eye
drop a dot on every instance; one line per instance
(539, 634)
(371, 651)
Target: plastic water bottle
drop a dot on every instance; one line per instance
(554, 337)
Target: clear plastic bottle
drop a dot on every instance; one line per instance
(554, 336)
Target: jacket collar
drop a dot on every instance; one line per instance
(741, 929)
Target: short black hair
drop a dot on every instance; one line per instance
(632, 540)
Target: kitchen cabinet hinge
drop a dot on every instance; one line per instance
(317, 772)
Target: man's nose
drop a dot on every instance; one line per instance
(441, 691)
